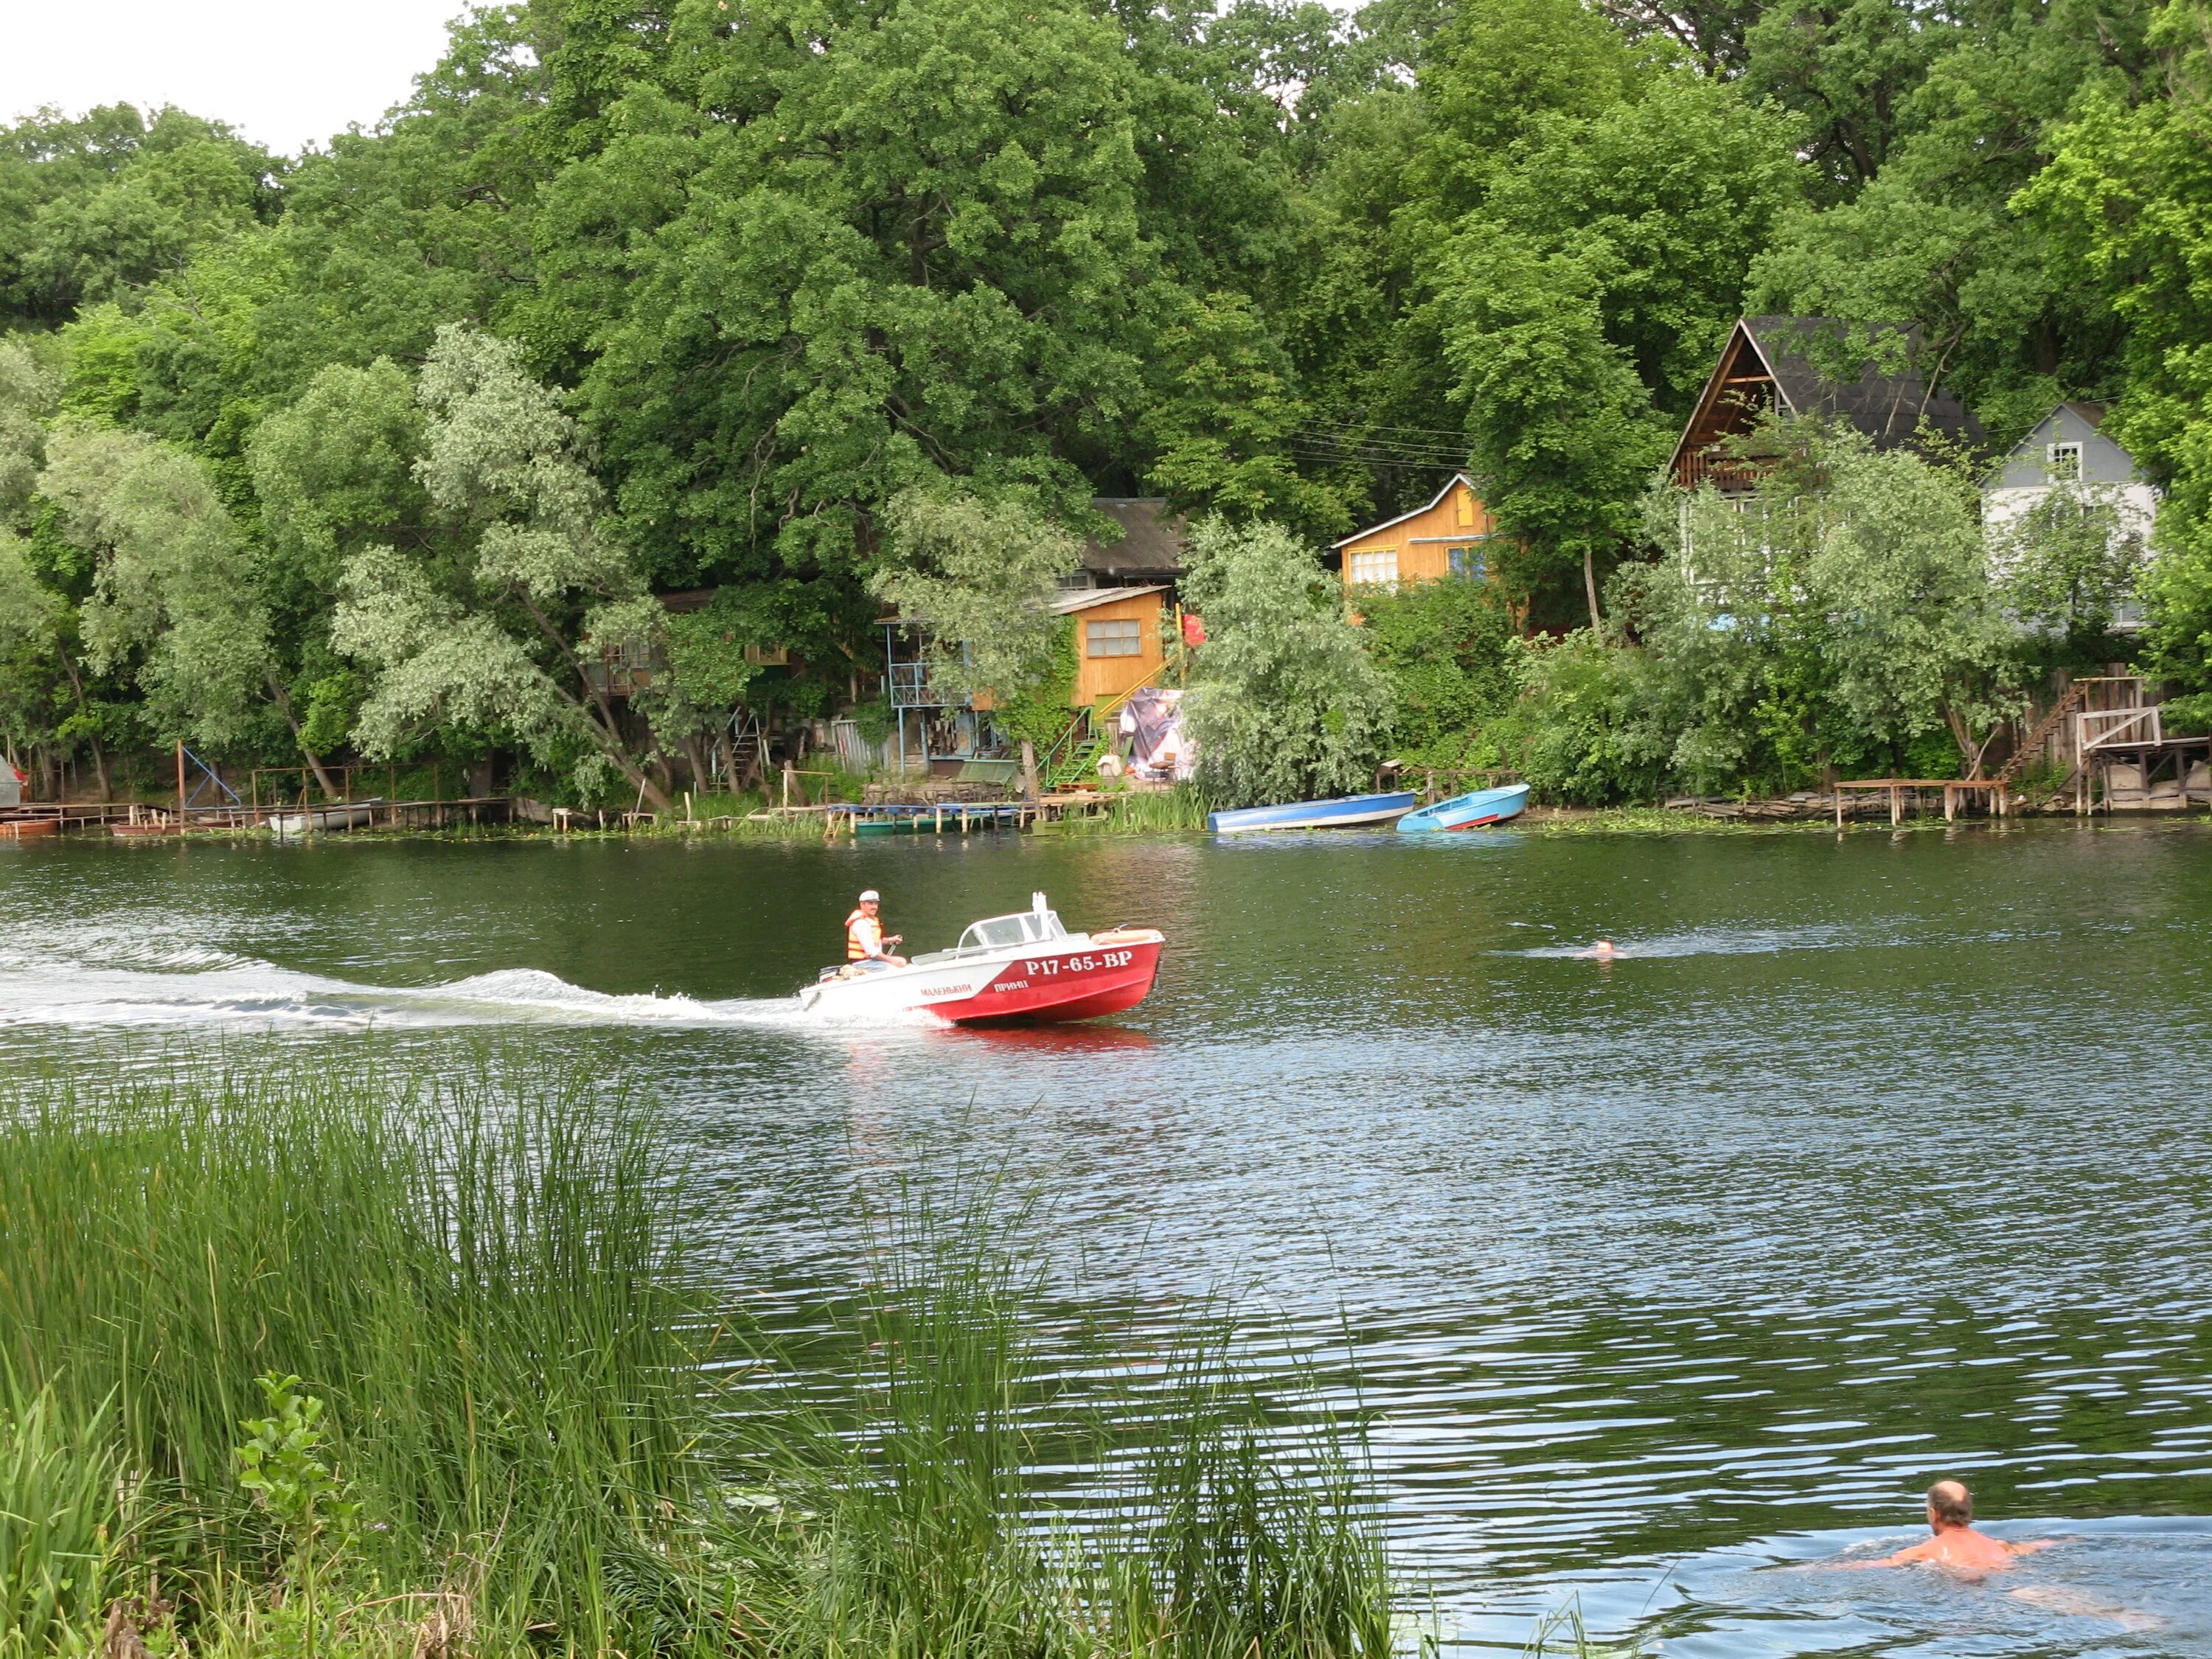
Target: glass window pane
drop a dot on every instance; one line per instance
(1114, 639)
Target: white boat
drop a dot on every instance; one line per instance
(323, 820)
(1024, 967)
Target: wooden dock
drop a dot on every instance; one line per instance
(1955, 792)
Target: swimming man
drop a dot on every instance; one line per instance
(864, 935)
(1956, 1544)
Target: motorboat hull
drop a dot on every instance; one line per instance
(1468, 812)
(1078, 976)
(1348, 812)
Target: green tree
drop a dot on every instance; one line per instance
(2068, 566)
(1843, 613)
(980, 577)
(511, 636)
(172, 599)
(1285, 701)
(1582, 302)
(2127, 200)
(854, 255)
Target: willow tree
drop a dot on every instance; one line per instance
(1285, 701)
(1837, 618)
(505, 628)
(173, 605)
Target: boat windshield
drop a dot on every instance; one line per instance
(1024, 928)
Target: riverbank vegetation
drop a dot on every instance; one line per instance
(309, 1359)
(618, 377)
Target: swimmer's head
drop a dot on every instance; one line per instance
(1950, 1504)
(1603, 947)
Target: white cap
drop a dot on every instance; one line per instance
(871, 894)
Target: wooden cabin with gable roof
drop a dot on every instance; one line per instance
(1446, 537)
(1774, 363)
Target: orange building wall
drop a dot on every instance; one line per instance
(1423, 542)
(1098, 678)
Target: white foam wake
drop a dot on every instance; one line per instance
(246, 994)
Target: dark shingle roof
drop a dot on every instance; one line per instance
(1887, 408)
(1151, 538)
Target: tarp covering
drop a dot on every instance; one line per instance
(1151, 729)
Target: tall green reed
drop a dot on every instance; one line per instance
(488, 1284)
(67, 1515)
(1149, 811)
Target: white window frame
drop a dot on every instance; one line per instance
(2055, 456)
(1372, 567)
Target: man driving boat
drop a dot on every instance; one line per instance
(866, 945)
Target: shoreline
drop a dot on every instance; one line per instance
(1149, 815)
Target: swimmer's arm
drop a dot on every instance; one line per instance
(2033, 1544)
(1904, 1558)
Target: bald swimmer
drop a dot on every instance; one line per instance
(1956, 1544)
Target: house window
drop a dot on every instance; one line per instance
(1114, 639)
(1373, 567)
(1471, 562)
(1465, 503)
(2063, 463)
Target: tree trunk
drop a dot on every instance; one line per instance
(284, 701)
(1589, 587)
(98, 751)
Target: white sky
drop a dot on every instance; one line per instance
(285, 73)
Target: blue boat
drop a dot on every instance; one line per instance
(1342, 814)
(1468, 812)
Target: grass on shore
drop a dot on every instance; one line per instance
(308, 1360)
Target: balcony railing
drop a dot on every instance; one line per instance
(912, 687)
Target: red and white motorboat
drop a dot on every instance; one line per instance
(1024, 967)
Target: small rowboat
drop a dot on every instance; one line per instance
(1468, 812)
(324, 820)
(1024, 968)
(1346, 813)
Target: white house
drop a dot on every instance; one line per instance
(2068, 451)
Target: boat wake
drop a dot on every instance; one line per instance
(242, 994)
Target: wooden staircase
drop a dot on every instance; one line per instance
(2040, 737)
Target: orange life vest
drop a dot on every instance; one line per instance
(864, 937)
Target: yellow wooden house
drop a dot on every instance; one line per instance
(1117, 639)
(1447, 537)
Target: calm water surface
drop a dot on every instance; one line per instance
(1872, 1160)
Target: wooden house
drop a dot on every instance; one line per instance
(2068, 451)
(1785, 364)
(1117, 639)
(1444, 539)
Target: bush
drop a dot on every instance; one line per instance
(1446, 649)
(1583, 729)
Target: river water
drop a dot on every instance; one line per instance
(1873, 1159)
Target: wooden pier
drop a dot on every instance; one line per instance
(1955, 792)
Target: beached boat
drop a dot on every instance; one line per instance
(324, 820)
(1347, 812)
(1024, 967)
(1468, 812)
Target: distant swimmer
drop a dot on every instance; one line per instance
(1603, 951)
(1956, 1544)
(864, 941)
